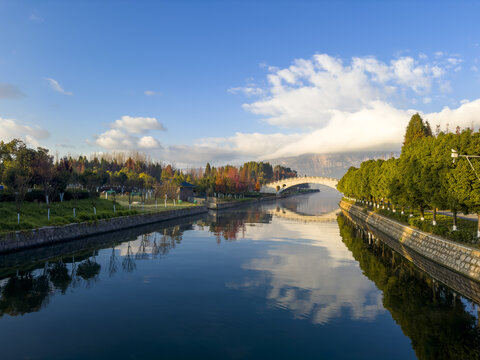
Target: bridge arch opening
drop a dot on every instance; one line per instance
(277, 187)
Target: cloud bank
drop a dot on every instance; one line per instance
(319, 105)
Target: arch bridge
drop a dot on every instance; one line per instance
(277, 187)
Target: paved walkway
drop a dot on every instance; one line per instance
(471, 217)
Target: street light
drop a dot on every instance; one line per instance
(455, 155)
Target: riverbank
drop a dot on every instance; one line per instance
(48, 235)
(20, 240)
(460, 258)
(213, 203)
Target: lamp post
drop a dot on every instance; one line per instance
(456, 155)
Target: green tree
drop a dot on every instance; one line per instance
(416, 130)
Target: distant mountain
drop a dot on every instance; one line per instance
(329, 165)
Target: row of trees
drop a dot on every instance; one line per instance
(248, 177)
(424, 176)
(23, 168)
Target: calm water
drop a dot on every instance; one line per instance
(284, 281)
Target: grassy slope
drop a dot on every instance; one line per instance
(34, 215)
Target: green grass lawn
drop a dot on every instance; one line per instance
(150, 205)
(34, 215)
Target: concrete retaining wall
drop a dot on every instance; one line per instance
(460, 258)
(55, 234)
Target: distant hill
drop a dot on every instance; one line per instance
(329, 165)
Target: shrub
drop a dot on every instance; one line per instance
(33, 195)
(6, 195)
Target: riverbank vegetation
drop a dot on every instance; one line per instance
(423, 177)
(34, 214)
(32, 176)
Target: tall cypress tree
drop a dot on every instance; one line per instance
(416, 129)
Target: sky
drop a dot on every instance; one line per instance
(188, 82)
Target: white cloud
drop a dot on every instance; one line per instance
(474, 68)
(123, 135)
(148, 142)
(57, 87)
(137, 125)
(248, 91)
(310, 92)
(454, 61)
(149, 92)
(462, 116)
(116, 140)
(11, 129)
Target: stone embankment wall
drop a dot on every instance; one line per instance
(453, 279)
(460, 258)
(55, 234)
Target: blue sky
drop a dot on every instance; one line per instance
(204, 71)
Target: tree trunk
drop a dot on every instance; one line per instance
(478, 226)
(422, 214)
(434, 222)
(454, 227)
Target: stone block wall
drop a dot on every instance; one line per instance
(461, 258)
(55, 234)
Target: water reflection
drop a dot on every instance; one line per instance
(254, 281)
(231, 225)
(312, 274)
(28, 289)
(438, 321)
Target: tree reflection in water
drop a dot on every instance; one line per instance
(24, 293)
(113, 263)
(89, 269)
(435, 319)
(28, 291)
(59, 275)
(128, 262)
(229, 224)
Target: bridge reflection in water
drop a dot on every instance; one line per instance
(296, 216)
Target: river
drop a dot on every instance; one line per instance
(285, 280)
